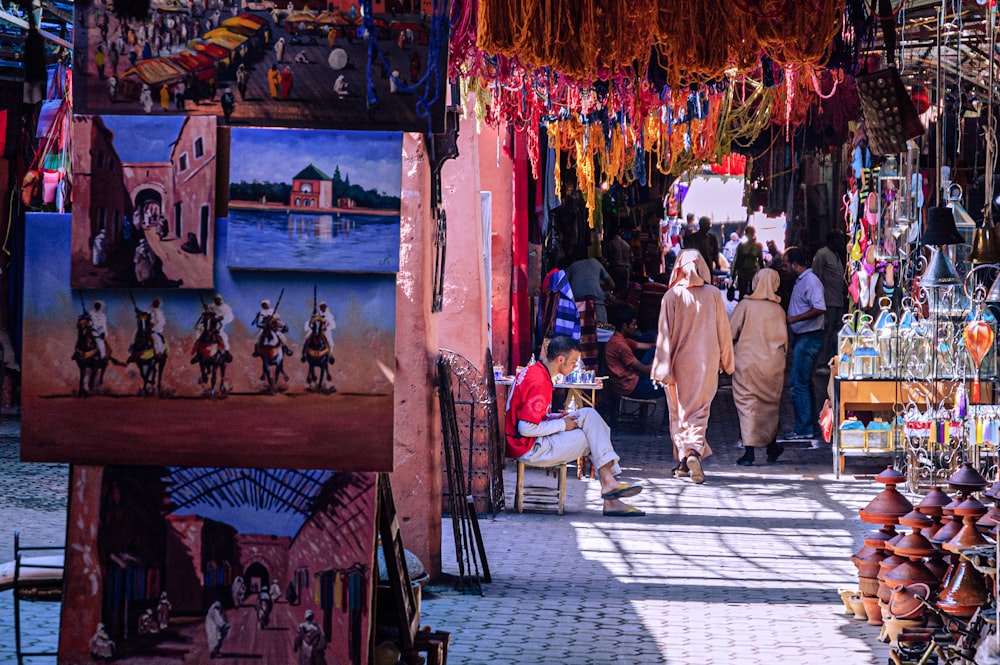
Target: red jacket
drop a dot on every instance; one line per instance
(530, 400)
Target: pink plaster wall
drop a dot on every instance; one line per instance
(495, 175)
(463, 326)
(416, 477)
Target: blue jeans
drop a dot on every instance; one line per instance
(805, 349)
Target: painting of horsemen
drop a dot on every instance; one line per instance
(144, 197)
(209, 564)
(294, 364)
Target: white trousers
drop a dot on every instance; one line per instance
(593, 436)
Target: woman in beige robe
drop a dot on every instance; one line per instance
(693, 345)
(761, 340)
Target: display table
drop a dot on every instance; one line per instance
(883, 396)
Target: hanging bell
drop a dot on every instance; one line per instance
(985, 245)
(941, 229)
(940, 270)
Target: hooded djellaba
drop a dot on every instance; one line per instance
(760, 337)
(693, 345)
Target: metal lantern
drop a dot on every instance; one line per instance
(891, 199)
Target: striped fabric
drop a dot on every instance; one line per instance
(563, 318)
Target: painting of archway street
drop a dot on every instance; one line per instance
(218, 565)
(144, 196)
(314, 200)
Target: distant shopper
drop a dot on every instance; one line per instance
(619, 256)
(589, 279)
(748, 260)
(228, 103)
(629, 374)
(760, 340)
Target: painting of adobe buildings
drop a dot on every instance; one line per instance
(193, 564)
(143, 191)
(314, 200)
(304, 63)
(293, 367)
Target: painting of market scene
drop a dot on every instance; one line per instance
(294, 366)
(144, 193)
(194, 564)
(314, 200)
(304, 63)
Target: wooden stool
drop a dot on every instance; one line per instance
(636, 409)
(540, 497)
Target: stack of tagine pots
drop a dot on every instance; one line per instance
(885, 509)
(964, 589)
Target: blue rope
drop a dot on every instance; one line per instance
(427, 89)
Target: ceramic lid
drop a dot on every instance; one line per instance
(914, 545)
(967, 478)
(908, 573)
(890, 477)
(916, 520)
(887, 506)
(878, 539)
(947, 531)
(935, 500)
(971, 507)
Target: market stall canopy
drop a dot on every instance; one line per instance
(212, 50)
(245, 21)
(300, 17)
(157, 71)
(225, 37)
(201, 65)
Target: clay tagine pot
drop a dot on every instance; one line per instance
(932, 505)
(965, 591)
(867, 561)
(910, 572)
(904, 603)
(951, 525)
(970, 511)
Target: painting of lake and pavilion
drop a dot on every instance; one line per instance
(314, 200)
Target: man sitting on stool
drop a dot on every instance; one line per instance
(628, 375)
(538, 438)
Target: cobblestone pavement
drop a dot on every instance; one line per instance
(33, 501)
(741, 569)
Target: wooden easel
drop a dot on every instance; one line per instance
(411, 640)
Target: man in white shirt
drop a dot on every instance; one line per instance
(805, 319)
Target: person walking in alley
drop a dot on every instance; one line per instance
(540, 438)
(805, 319)
(748, 260)
(760, 340)
(693, 345)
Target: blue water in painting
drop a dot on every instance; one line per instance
(273, 240)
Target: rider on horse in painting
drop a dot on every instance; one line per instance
(329, 323)
(268, 319)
